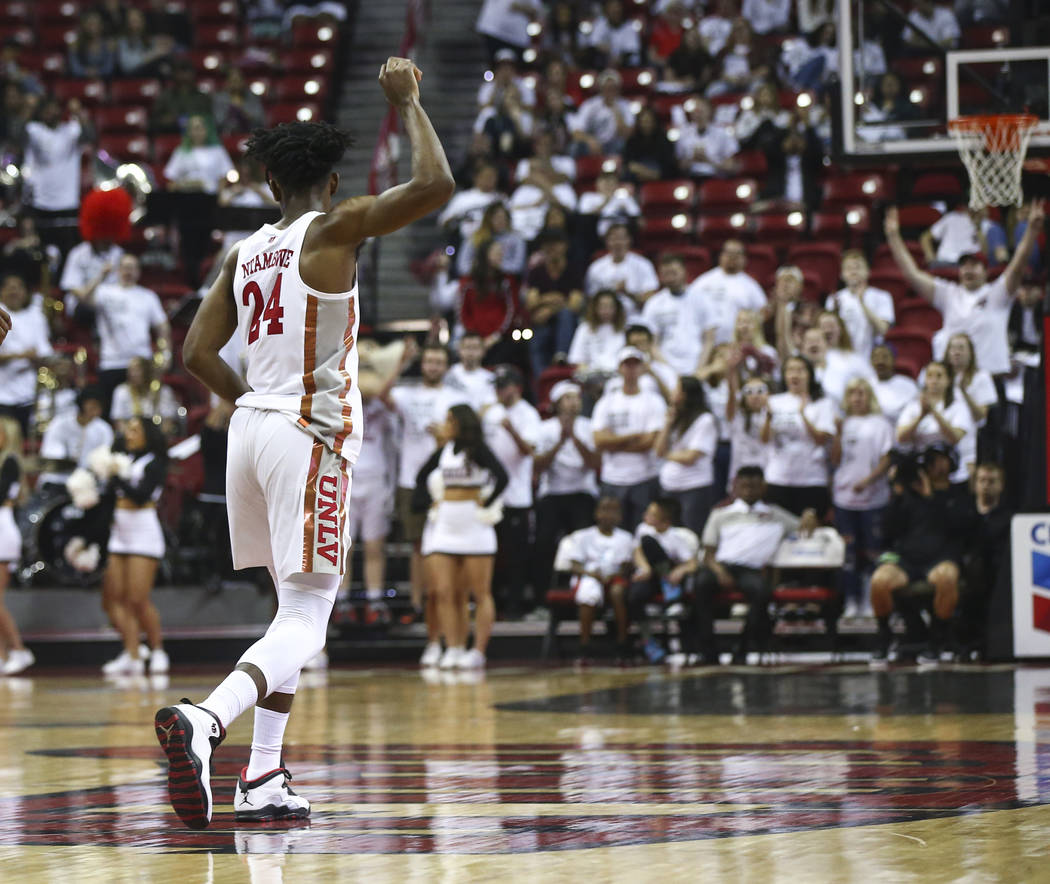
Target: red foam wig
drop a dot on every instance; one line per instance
(106, 214)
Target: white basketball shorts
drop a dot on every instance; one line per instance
(286, 493)
(10, 538)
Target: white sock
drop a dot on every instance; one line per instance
(267, 740)
(236, 693)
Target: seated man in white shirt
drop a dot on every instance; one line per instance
(70, 439)
(604, 121)
(705, 148)
(629, 274)
(740, 541)
(665, 557)
(462, 215)
(602, 558)
(936, 22)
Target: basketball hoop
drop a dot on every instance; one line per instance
(993, 148)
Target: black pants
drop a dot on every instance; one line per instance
(755, 585)
(556, 516)
(695, 504)
(633, 499)
(512, 561)
(21, 413)
(108, 381)
(796, 498)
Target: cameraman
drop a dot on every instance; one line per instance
(928, 526)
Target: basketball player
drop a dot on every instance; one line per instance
(290, 291)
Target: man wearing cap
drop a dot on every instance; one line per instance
(677, 328)
(973, 305)
(723, 291)
(657, 376)
(629, 274)
(511, 427)
(626, 422)
(567, 463)
(604, 121)
(504, 79)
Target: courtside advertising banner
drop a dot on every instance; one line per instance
(1030, 546)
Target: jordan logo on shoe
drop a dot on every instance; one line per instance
(167, 730)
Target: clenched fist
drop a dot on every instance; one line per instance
(400, 78)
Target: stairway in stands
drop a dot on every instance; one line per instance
(453, 60)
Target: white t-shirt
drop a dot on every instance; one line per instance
(466, 209)
(372, 468)
(841, 367)
(420, 406)
(526, 422)
(766, 15)
(563, 165)
(619, 40)
(796, 460)
(856, 320)
(982, 314)
(52, 165)
(928, 432)
(500, 19)
(596, 118)
(718, 142)
(598, 349)
(604, 554)
(635, 271)
(676, 327)
(66, 439)
(748, 449)
(567, 473)
(718, 402)
(701, 435)
(866, 439)
(622, 414)
(680, 544)
(83, 264)
(981, 389)
(207, 164)
(124, 318)
(942, 26)
(647, 383)
(478, 387)
(529, 205)
(29, 331)
(622, 207)
(718, 296)
(956, 235)
(126, 405)
(893, 394)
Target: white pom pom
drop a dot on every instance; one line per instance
(120, 465)
(491, 514)
(436, 485)
(83, 488)
(100, 462)
(87, 560)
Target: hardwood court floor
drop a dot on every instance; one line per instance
(791, 773)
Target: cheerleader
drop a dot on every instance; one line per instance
(460, 538)
(136, 545)
(18, 657)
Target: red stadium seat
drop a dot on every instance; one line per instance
(289, 112)
(918, 69)
(752, 164)
(780, 229)
(813, 287)
(305, 61)
(697, 259)
(864, 188)
(206, 61)
(762, 262)
(128, 147)
(726, 195)
(300, 88)
(663, 104)
(53, 10)
(313, 34)
(90, 93)
(550, 376)
(128, 118)
(57, 36)
(985, 36)
(235, 144)
(884, 258)
(588, 168)
(916, 219)
(164, 146)
(893, 281)
(16, 31)
(676, 195)
(937, 186)
(713, 230)
(134, 91)
(213, 10)
(823, 258)
(13, 11)
(663, 232)
(221, 36)
(910, 345)
(637, 82)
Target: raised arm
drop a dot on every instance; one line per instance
(1014, 272)
(212, 327)
(5, 324)
(918, 279)
(431, 185)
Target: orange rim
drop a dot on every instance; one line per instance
(1001, 131)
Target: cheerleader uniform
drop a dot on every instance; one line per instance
(10, 537)
(453, 528)
(136, 528)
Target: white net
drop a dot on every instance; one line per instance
(993, 149)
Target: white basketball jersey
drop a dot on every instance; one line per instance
(300, 344)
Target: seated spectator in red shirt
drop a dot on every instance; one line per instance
(490, 306)
(667, 33)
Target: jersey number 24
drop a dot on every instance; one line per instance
(272, 313)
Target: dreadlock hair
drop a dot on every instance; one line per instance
(298, 155)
